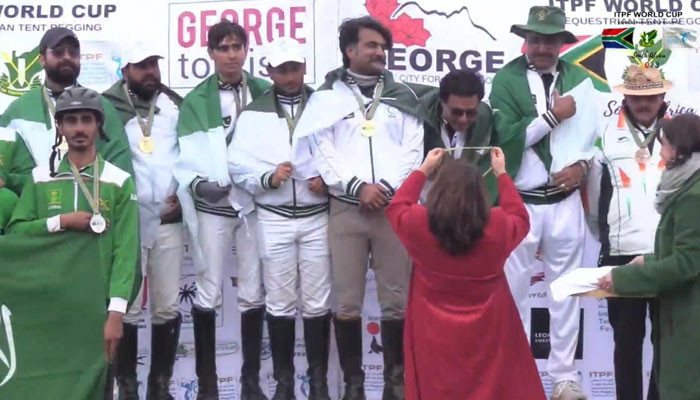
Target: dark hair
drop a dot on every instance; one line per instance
(458, 206)
(224, 28)
(350, 33)
(463, 83)
(683, 133)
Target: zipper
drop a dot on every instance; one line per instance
(294, 185)
(371, 159)
(75, 194)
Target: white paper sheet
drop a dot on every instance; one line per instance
(580, 280)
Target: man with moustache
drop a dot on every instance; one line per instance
(548, 140)
(218, 215)
(367, 135)
(149, 111)
(85, 193)
(292, 208)
(459, 118)
(621, 195)
(32, 115)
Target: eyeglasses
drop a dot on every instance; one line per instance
(459, 112)
(59, 51)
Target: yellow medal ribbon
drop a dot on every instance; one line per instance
(97, 222)
(369, 127)
(146, 143)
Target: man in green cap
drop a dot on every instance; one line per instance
(545, 117)
(85, 193)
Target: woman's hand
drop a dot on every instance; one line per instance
(498, 161)
(606, 283)
(432, 161)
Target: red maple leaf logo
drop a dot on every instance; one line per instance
(405, 29)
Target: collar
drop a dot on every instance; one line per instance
(353, 78)
(54, 94)
(230, 86)
(288, 100)
(64, 167)
(555, 68)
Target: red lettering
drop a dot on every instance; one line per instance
(204, 26)
(294, 25)
(190, 31)
(230, 15)
(275, 29)
(250, 14)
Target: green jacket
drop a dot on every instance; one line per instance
(44, 198)
(672, 273)
(30, 116)
(514, 109)
(8, 201)
(481, 133)
(16, 162)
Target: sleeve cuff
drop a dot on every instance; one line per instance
(550, 119)
(117, 304)
(387, 186)
(193, 185)
(354, 187)
(266, 180)
(53, 224)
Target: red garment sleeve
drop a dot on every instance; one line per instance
(517, 219)
(398, 212)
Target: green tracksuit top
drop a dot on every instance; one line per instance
(45, 198)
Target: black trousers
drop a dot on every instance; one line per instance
(627, 317)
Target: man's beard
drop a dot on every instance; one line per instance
(144, 92)
(63, 77)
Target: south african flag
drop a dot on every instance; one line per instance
(618, 38)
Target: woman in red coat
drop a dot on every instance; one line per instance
(463, 336)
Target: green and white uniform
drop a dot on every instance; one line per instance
(31, 116)
(45, 198)
(207, 117)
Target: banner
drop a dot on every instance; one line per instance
(53, 308)
(430, 39)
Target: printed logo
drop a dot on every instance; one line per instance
(54, 197)
(104, 204)
(304, 387)
(191, 389)
(9, 359)
(2, 160)
(374, 329)
(647, 38)
(22, 72)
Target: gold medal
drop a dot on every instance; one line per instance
(368, 128)
(146, 145)
(642, 156)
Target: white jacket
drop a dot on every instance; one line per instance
(153, 172)
(261, 142)
(346, 159)
(632, 218)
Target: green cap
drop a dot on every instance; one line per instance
(546, 20)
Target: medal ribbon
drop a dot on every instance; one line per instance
(368, 113)
(635, 135)
(292, 123)
(145, 127)
(93, 199)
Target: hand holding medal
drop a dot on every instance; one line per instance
(98, 224)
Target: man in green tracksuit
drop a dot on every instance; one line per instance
(218, 214)
(458, 118)
(16, 162)
(32, 114)
(88, 194)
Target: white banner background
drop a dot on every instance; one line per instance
(430, 39)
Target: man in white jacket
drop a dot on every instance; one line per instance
(292, 208)
(366, 137)
(621, 193)
(149, 111)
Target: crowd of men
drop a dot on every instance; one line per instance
(296, 180)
